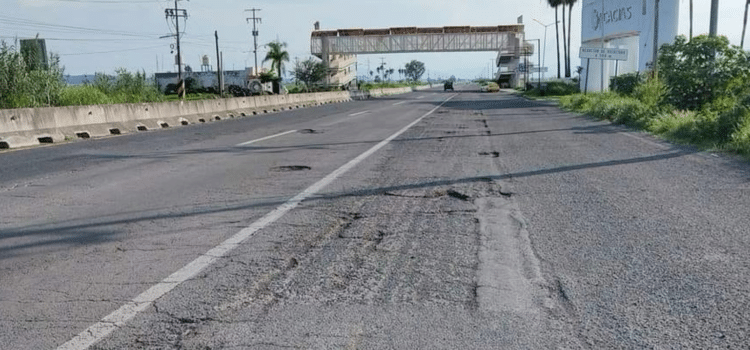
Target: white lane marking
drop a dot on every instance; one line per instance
(358, 113)
(399, 103)
(420, 97)
(125, 313)
(266, 138)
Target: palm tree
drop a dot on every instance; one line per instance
(277, 56)
(744, 26)
(554, 4)
(570, 25)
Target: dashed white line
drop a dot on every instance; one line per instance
(125, 313)
(420, 97)
(266, 138)
(399, 103)
(358, 113)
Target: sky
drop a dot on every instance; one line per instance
(103, 35)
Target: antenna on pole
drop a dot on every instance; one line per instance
(255, 35)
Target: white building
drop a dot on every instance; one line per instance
(623, 24)
(342, 70)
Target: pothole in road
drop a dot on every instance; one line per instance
(458, 195)
(291, 168)
(493, 154)
(310, 131)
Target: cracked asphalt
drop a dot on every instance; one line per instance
(492, 223)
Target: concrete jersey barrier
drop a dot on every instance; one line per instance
(32, 126)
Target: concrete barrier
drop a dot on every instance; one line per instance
(32, 126)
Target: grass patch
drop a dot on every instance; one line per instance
(707, 129)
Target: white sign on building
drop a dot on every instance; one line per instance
(626, 25)
(603, 54)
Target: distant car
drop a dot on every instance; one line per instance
(448, 85)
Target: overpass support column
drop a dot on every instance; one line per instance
(326, 60)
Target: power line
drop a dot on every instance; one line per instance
(66, 28)
(100, 52)
(111, 2)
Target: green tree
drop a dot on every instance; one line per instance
(22, 85)
(309, 72)
(699, 71)
(414, 70)
(277, 55)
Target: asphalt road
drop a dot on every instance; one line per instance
(430, 220)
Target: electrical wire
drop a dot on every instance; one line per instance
(111, 2)
(111, 51)
(66, 28)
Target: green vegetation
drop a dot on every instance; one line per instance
(387, 85)
(414, 70)
(277, 56)
(554, 89)
(699, 97)
(24, 84)
(309, 72)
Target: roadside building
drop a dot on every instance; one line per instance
(624, 25)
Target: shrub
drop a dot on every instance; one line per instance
(740, 139)
(21, 86)
(626, 83)
(561, 88)
(702, 69)
(730, 123)
(651, 92)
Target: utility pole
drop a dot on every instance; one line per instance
(255, 35)
(714, 18)
(176, 13)
(219, 76)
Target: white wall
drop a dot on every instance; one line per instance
(625, 24)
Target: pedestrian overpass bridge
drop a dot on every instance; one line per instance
(504, 39)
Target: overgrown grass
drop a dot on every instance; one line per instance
(389, 85)
(700, 97)
(553, 89)
(728, 130)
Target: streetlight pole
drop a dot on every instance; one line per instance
(545, 42)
